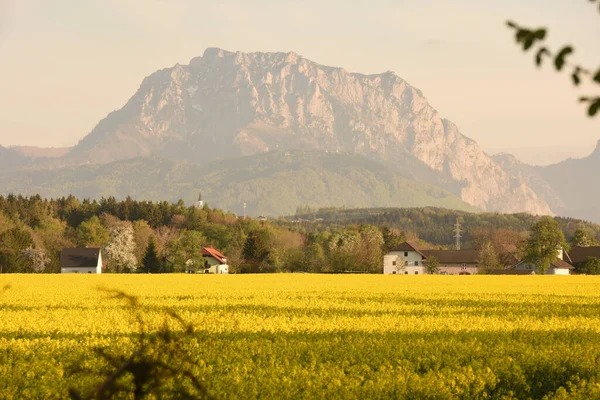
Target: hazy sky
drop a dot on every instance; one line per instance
(65, 64)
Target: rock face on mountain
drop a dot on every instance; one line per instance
(227, 104)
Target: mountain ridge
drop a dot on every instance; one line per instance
(225, 105)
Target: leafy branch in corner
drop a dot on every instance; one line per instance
(535, 39)
(158, 366)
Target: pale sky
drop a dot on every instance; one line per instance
(64, 64)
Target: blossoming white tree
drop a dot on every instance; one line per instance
(120, 249)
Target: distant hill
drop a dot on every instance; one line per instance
(41, 152)
(436, 225)
(9, 158)
(273, 183)
(578, 183)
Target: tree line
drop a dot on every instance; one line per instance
(163, 237)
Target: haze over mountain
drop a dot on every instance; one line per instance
(273, 183)
(225, 105)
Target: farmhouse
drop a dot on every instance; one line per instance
(557, 267)
(81, 261)
(408, 259)
(216, 262)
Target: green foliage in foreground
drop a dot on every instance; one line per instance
(308, 336)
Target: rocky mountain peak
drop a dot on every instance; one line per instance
(226, 104)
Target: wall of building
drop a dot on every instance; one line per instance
(456, 269)
(217, 269)
(412, 262)
(85, 270)
(523, 266)
(558, 271)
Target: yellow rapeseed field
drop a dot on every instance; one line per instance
(315, 336)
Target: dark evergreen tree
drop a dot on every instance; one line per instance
(151, 263)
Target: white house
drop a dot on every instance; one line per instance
(405, 259)
(216, 262)
(81, 261)
(408, 259)
(557, 267)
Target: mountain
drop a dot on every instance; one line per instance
(41, 152)
(578, 184)
(11, 159)
(273, 183)
(224, 105)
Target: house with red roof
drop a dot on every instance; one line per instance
(215, 261)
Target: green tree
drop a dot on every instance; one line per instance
(371, 248)
(583, 238)
(545, 240)
(534, 39)
(91, 233)
(392, 238)
(150, 262)
(142, 232)
(487, 259)
(184, 251)
(432, 265)
(590, 267)
(12, 244)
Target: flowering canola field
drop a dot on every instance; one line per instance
(317, 336)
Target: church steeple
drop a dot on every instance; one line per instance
(200, 202)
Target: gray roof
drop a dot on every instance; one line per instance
(581, 254)
(80, 257)
(453, 256)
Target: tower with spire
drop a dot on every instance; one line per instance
(200, 202)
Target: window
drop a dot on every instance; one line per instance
(417, 263)
(416, 272)
(405, 272)
(393, 262)
(394, 272)
(406, 263)
(406, 254)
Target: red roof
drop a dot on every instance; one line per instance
(214, 253)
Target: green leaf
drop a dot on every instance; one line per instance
(528, 43)
(540, 34)
(512, 25)
(594, 107)
(575, 76)
(597, 76)
(561, 57)
(539, 57)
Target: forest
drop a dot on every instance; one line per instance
(161, 237)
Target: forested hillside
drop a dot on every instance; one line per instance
(273, 183)
(435, 225)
